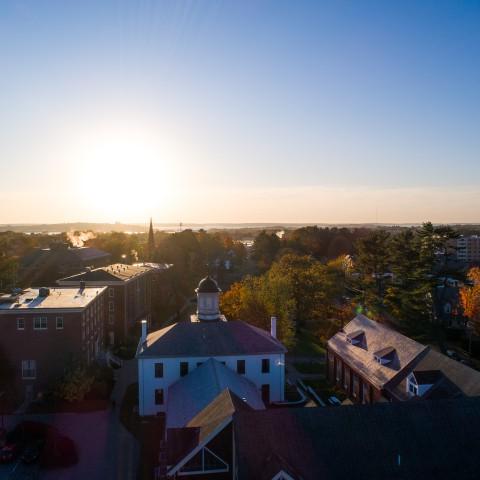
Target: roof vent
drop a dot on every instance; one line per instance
(43, 292)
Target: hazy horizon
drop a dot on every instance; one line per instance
(236, 112)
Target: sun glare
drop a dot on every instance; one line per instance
(125, 176)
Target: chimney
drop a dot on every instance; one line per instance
(144, 332)
(273, 327)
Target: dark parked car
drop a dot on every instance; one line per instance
(9, 452)
(32, 452)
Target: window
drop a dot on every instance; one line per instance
(183, 369)
(412, 388)
(159, 370)
(159, 396)
(111, 318)
(59, 323)
(111, 292)
(111, 306)
(241, 367)
(20, 324)
(265, 365)
(29, 369)
(40, 323)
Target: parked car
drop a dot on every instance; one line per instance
(9, 452)
(32, 452)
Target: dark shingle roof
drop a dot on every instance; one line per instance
(207, 285)
(432, 439)
(207, 339)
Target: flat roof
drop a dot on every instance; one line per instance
(117, 272)
(58, 298)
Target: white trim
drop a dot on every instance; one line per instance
(23, 320)
(203, 471)
(213, 434)
(282, 475)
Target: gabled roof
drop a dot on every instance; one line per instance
(466, 379)
(400, 440)
(87, 254)
(209, 339)
(427, 377)
(377, 337)
(197, 391)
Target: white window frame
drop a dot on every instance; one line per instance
(56, 323)
(43, 323)
(111, 306)
(111, 292)
(226, 468)
(29, 367)
(22, 320)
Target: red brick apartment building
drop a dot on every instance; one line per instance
(128, 299)
(44, 329)
(374, 363)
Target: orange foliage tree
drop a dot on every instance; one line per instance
(470, 298)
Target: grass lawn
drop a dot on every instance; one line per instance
(309, 367)
(307, 344)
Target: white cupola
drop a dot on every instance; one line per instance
(208, 298)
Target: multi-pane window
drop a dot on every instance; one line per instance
(59, 323)
(111, 318)
(20, 324)
(111, 306)
(40, 323)
(159, 370)
(29, 369)
(159, 396)
(183, 368)
(111, 292)
(265, 365)
(241, 367)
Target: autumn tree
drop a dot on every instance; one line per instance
(470, 299)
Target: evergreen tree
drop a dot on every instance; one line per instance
(151, 242)
(408, 297)
(372, 262)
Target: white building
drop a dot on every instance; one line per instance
(167, 355)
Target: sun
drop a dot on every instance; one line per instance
(124, 175)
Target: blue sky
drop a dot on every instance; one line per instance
(317, 111)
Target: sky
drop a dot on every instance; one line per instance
(228, 111)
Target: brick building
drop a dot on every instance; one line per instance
(44, 329)
(128, 299)
(373, 363)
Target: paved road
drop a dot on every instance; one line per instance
(107, 451)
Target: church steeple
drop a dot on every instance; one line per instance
(151, 242)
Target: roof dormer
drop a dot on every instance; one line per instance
(384, 356)
(355, 338)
